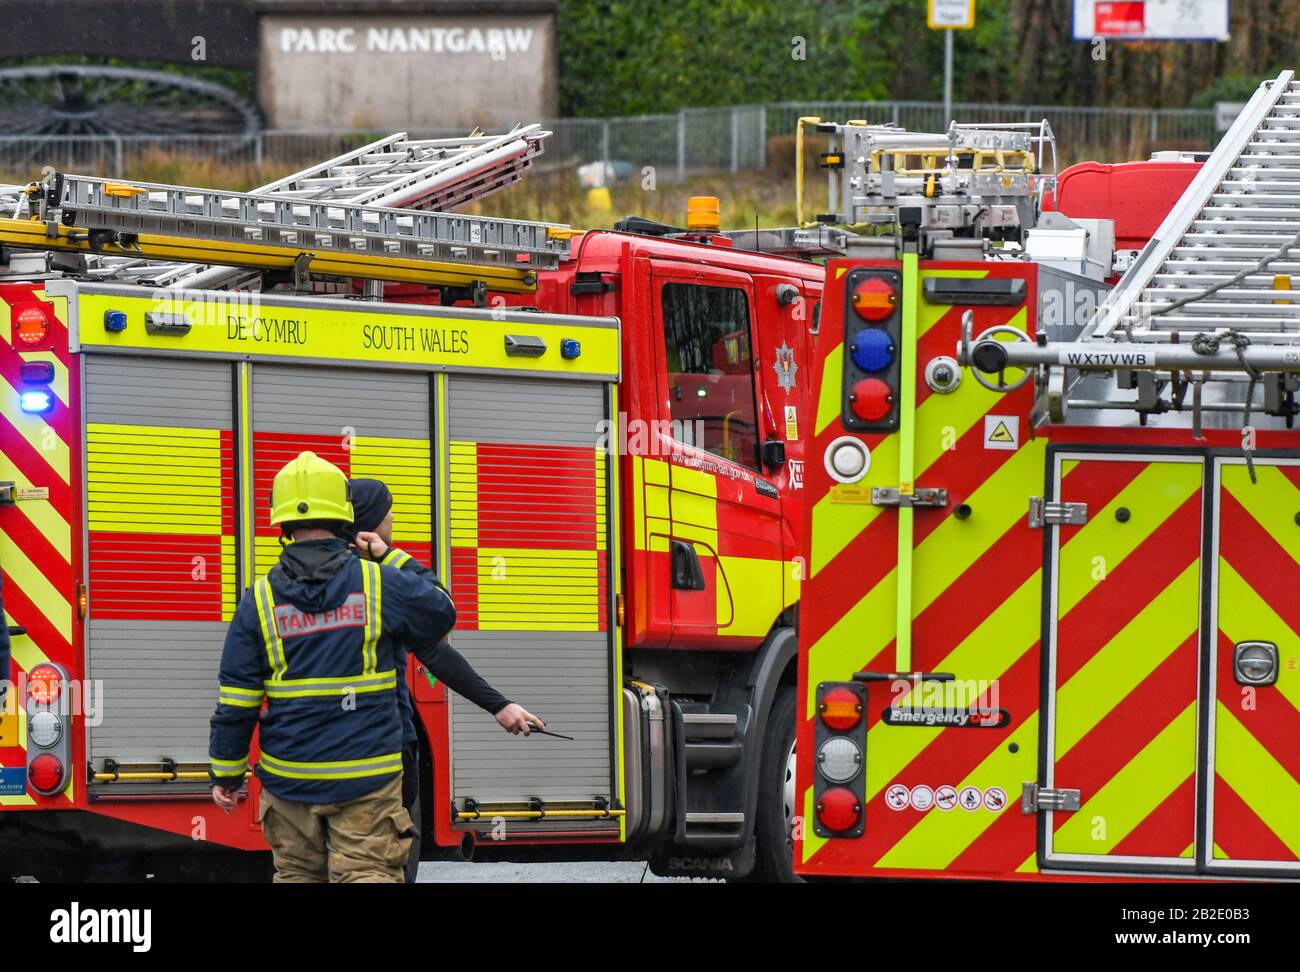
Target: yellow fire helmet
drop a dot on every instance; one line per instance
(310, 488)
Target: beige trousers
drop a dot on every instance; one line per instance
(367, 839)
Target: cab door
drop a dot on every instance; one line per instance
(1254, 672)
(725, 546)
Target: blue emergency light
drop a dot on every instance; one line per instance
(36, 402)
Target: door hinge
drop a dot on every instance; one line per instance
(889, 496)
(1043, 513)
(7, 494)
(1034, 798)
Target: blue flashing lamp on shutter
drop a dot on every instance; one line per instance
(570, 348)
(114, 321)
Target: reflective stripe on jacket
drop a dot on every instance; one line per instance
(331, 729)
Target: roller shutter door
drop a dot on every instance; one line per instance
(528, 531)
(161, 550)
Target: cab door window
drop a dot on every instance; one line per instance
(710, 372)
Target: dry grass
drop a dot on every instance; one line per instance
(553, 194)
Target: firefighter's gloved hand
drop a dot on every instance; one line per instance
(514, 719)
(225, 799)
(371, 546)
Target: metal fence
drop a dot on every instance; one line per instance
(678, 146)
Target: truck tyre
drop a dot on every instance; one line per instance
(777, 801)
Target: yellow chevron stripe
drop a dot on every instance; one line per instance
(1132, 794)
(43, 594)
(1272, 501)
(38, 434)
(955, 545)
(940, 419)
(42, 514)
(938, 839)
(868, 626)
(1128, 659)
(1245, 616)
(828, 399)
(1153, 496)
(1012, 629)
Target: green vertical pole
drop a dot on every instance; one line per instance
(906, 461)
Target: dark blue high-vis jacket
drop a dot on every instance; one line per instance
(315, 639)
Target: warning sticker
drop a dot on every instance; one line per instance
(971, 798)
(995, 798)
(843, 493)
(1002, 432)
(922, 798)
(897, 796)
(945, 798)
(791, 422)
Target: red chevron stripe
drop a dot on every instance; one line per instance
(949, 758)
(859, 575)
(35, 466)
(29, 616)
(1011, 560)
(1239, 831)
(1129, 587)
(1274, 722)
(1292, 473)
(861, 557)
(1002, 847)
(62, 419)
(1261, 560)
(939, 339)
(981, 589)
(1168, 830)
(52, 564)
(1130, 726)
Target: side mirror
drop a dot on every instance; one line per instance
(772, 454)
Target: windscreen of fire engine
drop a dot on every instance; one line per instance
(710, 378)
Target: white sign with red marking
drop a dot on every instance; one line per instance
(995, 798)
(945, 798)
(971, 798)
(922, 798)
(897, 796)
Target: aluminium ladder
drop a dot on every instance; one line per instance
(393, 172)
(1222, 261)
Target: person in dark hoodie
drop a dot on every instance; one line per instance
(372, 505)
(316, 639)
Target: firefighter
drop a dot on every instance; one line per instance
(316, 639)
(372, 505)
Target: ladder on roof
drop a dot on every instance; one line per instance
(381, 209)
(1222, 259)
(427, 174)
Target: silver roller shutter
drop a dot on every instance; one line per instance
(564, 675)
(158, 475)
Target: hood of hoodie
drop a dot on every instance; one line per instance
(312, 574)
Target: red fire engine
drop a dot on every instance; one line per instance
(597, 438)
(1048, 630)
